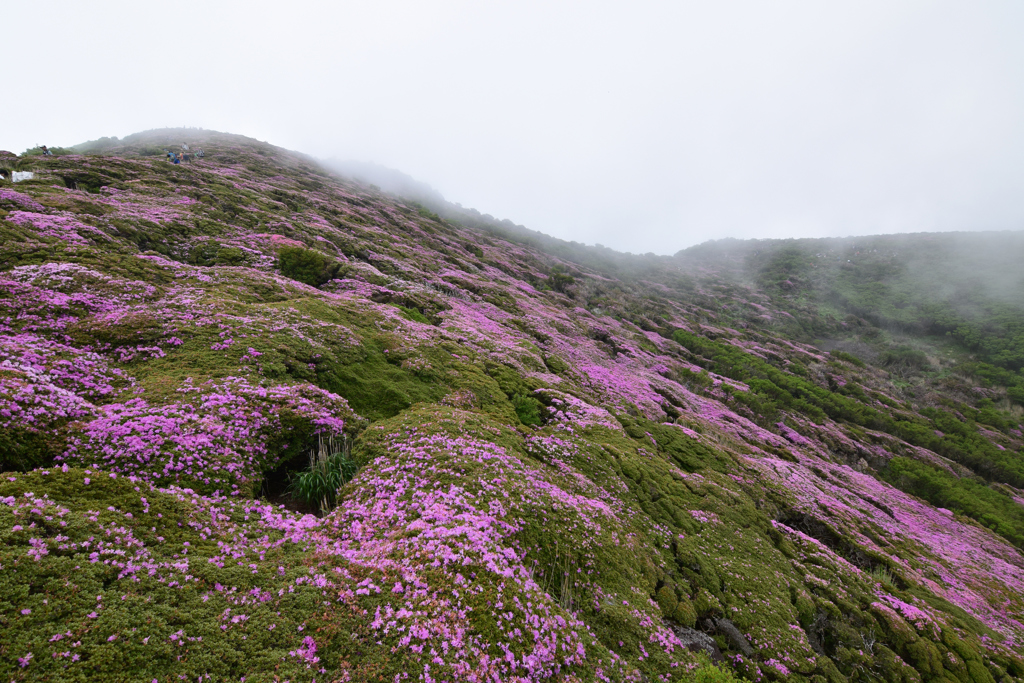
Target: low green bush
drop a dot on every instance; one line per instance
(711, 673)
(414, 315)
(528, 409)
(22, 450)
(904, 358)
(308, 266)
(560, 280)
(848, 357)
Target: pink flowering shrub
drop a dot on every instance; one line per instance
(221, 435)
(85, 373)
(34, 413)
(59, 227)
(20, 200)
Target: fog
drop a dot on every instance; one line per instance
(643, 126)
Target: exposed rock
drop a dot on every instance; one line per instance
(698, 641)
(736, 639)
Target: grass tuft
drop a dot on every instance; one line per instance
(330, 468)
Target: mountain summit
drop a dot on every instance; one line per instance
(262, 422)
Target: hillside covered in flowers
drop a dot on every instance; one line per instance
(765, 461)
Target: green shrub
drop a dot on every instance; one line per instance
(22, 450)
(710, 673)
(556, 365)
(528, 409)
(904, 358)
(667, 600)
(559, 280)
(847, 357)
(306, 265)
(990, 415)
(414, 315)
(230, 256)
(685, 614)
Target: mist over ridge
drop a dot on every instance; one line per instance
(647, 129)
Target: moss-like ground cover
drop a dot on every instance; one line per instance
(568, 470)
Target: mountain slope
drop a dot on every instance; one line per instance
(603, 468)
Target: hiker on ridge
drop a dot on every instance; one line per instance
(184, 147)
(46, 151)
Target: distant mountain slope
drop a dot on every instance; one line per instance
(920, 284)
(926, 306)
(387, 179)
(565, 463)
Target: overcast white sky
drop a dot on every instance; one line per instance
(643, 126)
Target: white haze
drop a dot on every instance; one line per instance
(644, 126)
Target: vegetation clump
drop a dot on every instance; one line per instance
(330, 468)
(307, 265)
